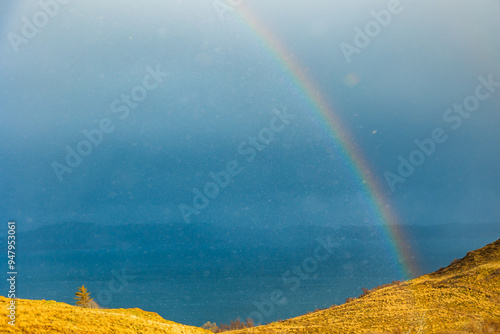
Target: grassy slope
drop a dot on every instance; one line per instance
(40, 316)
(453, 299)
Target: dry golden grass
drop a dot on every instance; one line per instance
(462, 298)
(44, 317)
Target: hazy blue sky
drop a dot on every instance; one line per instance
(219, 85)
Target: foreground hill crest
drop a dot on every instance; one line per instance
(48, 316)
(462, 298)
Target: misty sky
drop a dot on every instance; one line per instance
(213, 84)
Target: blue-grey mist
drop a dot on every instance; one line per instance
(210, 92)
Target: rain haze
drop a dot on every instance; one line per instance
(202, 149)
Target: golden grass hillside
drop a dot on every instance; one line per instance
(462, 298)
(44, 317)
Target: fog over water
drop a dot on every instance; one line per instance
(176, 141)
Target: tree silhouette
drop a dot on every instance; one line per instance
(83, 298)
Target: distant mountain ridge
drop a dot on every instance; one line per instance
(75, 236)
(84, 249)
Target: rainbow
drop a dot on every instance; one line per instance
(332, 124)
